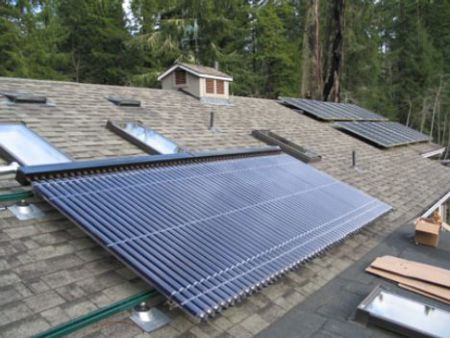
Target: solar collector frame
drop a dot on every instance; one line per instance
(332, 111)
(238, 231)
(386, 134)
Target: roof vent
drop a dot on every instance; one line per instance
(25, 98)
(124, 101)
(208, 84)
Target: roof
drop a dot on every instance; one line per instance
(50, 271)
(197, 70)
(428, 149)
(329, 312)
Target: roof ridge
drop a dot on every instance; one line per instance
(73, 83)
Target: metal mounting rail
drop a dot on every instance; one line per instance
(26, 174)
(15, 196)
(95, 316)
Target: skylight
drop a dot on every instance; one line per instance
(25, 98)
(144, 138)
(124, 101)
(287, 146)
(19, 143)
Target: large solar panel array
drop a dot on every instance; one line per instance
(207, 234)
(332, 111)
(385, 134)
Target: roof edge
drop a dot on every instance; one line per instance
(432, 153)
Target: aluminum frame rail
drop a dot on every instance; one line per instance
(385, 134)
(27, 174)
(289, 147)
(332, 111)
(209, 233)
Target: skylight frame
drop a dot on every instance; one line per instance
(21, 154)
(120, 128)
(289, 147)
(122, 101)
(25, 98)
(401, 314)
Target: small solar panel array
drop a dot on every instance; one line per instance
(358, 121)
(385, 134)
(207, 234)
(332, 111)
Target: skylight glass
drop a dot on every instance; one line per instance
(145, 138)
(19, 143)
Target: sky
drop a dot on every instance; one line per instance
(126, 5)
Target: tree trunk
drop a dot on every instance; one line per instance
(424, 114)
(331, 89)
(448, 145)
(408, 119)
(435, 106)
(311, 86)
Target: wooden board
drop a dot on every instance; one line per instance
(431, 289)
(410, 288)
(415, 270)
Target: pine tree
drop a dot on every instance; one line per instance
(12, 60)
(97, 41)
(275, 54)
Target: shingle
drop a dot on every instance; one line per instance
(398, 176)
(25, 328)
(44, 301)
(78, 308)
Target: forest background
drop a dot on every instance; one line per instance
(390, 56)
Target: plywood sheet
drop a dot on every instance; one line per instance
(415, 270)
(423, 293)
(431, 289)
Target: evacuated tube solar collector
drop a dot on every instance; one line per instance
(270, 211)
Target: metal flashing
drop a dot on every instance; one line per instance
(25, 98)
(433, 153)
(124, 101)
(403, 315)
(149, 319)
(25, 211)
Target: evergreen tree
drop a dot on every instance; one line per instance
(97, 41)
(274, 53)
(391, 56)
(12, 60)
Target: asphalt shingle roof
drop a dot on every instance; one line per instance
(50, 271)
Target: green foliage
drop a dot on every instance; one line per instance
(96, 41)
(396, 54)
(11, 58)
(28, 41)
(275, 54)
